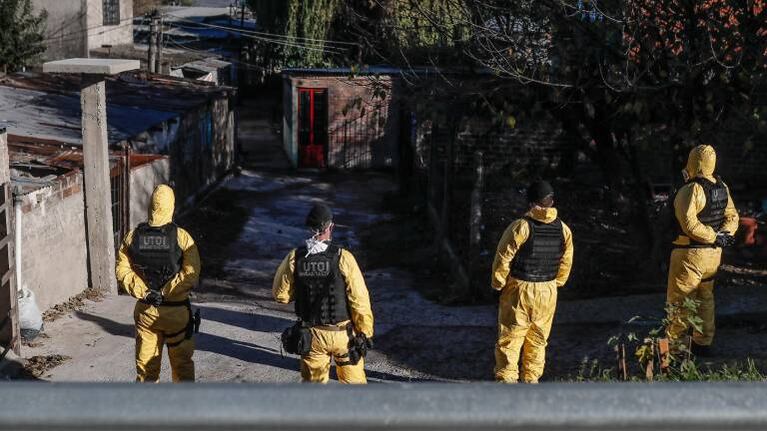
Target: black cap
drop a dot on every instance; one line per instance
(319, 217)
(538, 191)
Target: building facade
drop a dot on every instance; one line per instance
(161, 130)
(74, 27)
(334, 119)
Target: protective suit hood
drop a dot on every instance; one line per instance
(701, 162)
(542, 214)
(162, 207)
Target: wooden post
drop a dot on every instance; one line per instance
(98, 198)
(9, 311)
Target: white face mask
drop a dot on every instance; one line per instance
(314, 246)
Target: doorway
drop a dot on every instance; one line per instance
(312, 127)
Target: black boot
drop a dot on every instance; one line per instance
(700, 350)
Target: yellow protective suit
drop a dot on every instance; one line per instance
(156, 326)
(327, 342)
(526, 309)
(692, 270)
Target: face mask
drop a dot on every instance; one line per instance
(314, 246)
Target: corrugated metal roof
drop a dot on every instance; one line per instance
(206, 65)
(47, 106)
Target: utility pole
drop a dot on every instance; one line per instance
(98, 197)
(158, 67)
(242, 14)
(152, 60)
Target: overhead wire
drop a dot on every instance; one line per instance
(81, 31)
(317, 48)
(286, 42)
(264, 34)
(228, 60)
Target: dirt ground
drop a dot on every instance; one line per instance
(251, 222)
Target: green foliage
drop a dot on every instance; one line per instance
(383, 31)
(591, 370)
(687, 371)
(681, 363)
(432, 24)
(21, 34)
(307, 25)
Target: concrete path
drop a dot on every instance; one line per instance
(251, 222)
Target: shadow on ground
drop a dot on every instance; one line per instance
(249, 321)
(467, 353)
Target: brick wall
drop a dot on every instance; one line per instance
(363, 119)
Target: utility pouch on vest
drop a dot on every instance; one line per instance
(194, 323)
(297, 339)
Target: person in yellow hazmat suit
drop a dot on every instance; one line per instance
(532, 261)
(158, 264)
(331, 302)
(707, 222)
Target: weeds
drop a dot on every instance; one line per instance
(663, 355)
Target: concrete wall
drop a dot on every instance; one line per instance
(143, 180)
(204, 149)
(99, 34)
(76, 26)
(363, 119)
(53, 243)
(65, 28)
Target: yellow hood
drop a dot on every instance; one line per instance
(163, 204)
(701, 162)
(545, 215)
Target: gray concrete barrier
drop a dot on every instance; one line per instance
(694, 406)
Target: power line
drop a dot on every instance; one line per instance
(81, 31)
(228, 60)
(267, 35)
(333, 50)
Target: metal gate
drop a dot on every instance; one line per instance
(119, 184)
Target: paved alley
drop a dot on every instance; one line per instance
(250, 222)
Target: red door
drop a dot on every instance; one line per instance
(312, 127)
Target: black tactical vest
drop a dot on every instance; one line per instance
(155, 254)
(540, 256)
(320, 287)
(712, 215)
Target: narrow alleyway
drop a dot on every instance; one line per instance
(247, 225)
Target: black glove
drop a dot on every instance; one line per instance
(359, 345)
(724, 239)
(153, 298)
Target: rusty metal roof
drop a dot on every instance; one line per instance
(37, 162)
